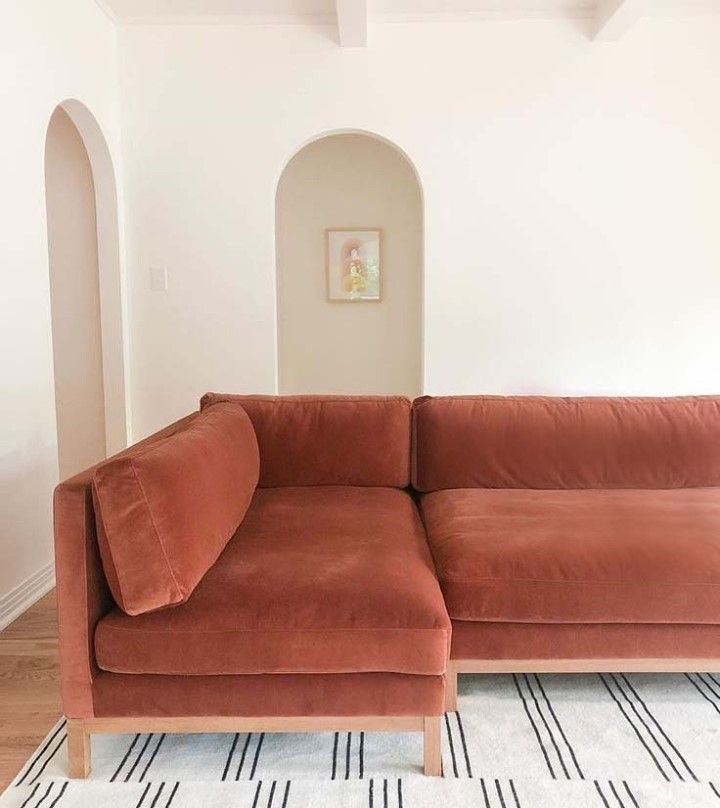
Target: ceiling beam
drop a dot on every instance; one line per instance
(614, 17)
(352, 21)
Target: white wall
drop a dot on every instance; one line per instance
(572, 196)
(329, 347)
(49, 51)
(74, 297)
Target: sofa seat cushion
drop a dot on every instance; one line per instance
(582, 556)
(315, 580)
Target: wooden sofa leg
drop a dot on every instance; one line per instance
(78, 746)
(432, 754)
(451, 688)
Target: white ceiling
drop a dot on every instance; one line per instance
(296, 10)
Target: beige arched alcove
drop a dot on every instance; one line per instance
(85, 289)
(349, 180)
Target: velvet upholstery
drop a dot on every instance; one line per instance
(558, 443)
(361, 694)
(477, 640)
(166, 512)
(329, 440)
(579, 556)
(316, 580)
(83, 595)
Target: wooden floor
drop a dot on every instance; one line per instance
(29, 689)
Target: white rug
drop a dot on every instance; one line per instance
(610, 741)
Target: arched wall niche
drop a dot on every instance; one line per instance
(350, 179)
(84, 250)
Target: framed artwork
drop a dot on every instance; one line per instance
(353, 258)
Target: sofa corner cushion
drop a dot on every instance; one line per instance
(329, 440)
(580, 556)
(165, 514)
(316, 580)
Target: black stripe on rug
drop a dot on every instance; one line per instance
(486, 799)
(657, 739)
(361, 756)
(257, 794)
(57, 799)
(233, 747)
(36, 757)
(125, 758)
(242, 756)
(697, 687)
(152, 758)
(143, 795)
(500, 794)
(336, 740)
(534, 726)
(548, 729)
(452, 745)
(44, 796)
(559, 727)
(31, 795)
(637, 732)
(138, 758)
(466, 755)
(47, 761)
(514, 793)
(631, 795)
(620, 803)
(658, 726)
(601, 794)
(347, 755)
(257, 755)
(157, 795)
(172, 795)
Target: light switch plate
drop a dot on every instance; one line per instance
(158, 279)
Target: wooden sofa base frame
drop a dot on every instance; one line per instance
(456, 666)
(80, 730)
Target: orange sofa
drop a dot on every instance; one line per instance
(300, 563)
(573, 534)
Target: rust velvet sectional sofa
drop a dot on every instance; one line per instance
(330, 563)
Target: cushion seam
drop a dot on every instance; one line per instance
(165, 631)
(570, 581)
(288, 671)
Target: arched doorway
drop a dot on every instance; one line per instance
(349, 182)
(83, 253)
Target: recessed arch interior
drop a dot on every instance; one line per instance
(85, 288)
(348, 179)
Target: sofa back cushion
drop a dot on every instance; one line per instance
(556, 443)
(329, 440)
(165, 513)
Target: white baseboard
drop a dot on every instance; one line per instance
(24, 595)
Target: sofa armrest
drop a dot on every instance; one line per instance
(83, 595)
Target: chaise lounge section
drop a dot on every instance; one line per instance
(573, 534)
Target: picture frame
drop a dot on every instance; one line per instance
(353, 264)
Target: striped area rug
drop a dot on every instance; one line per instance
(523, 741)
